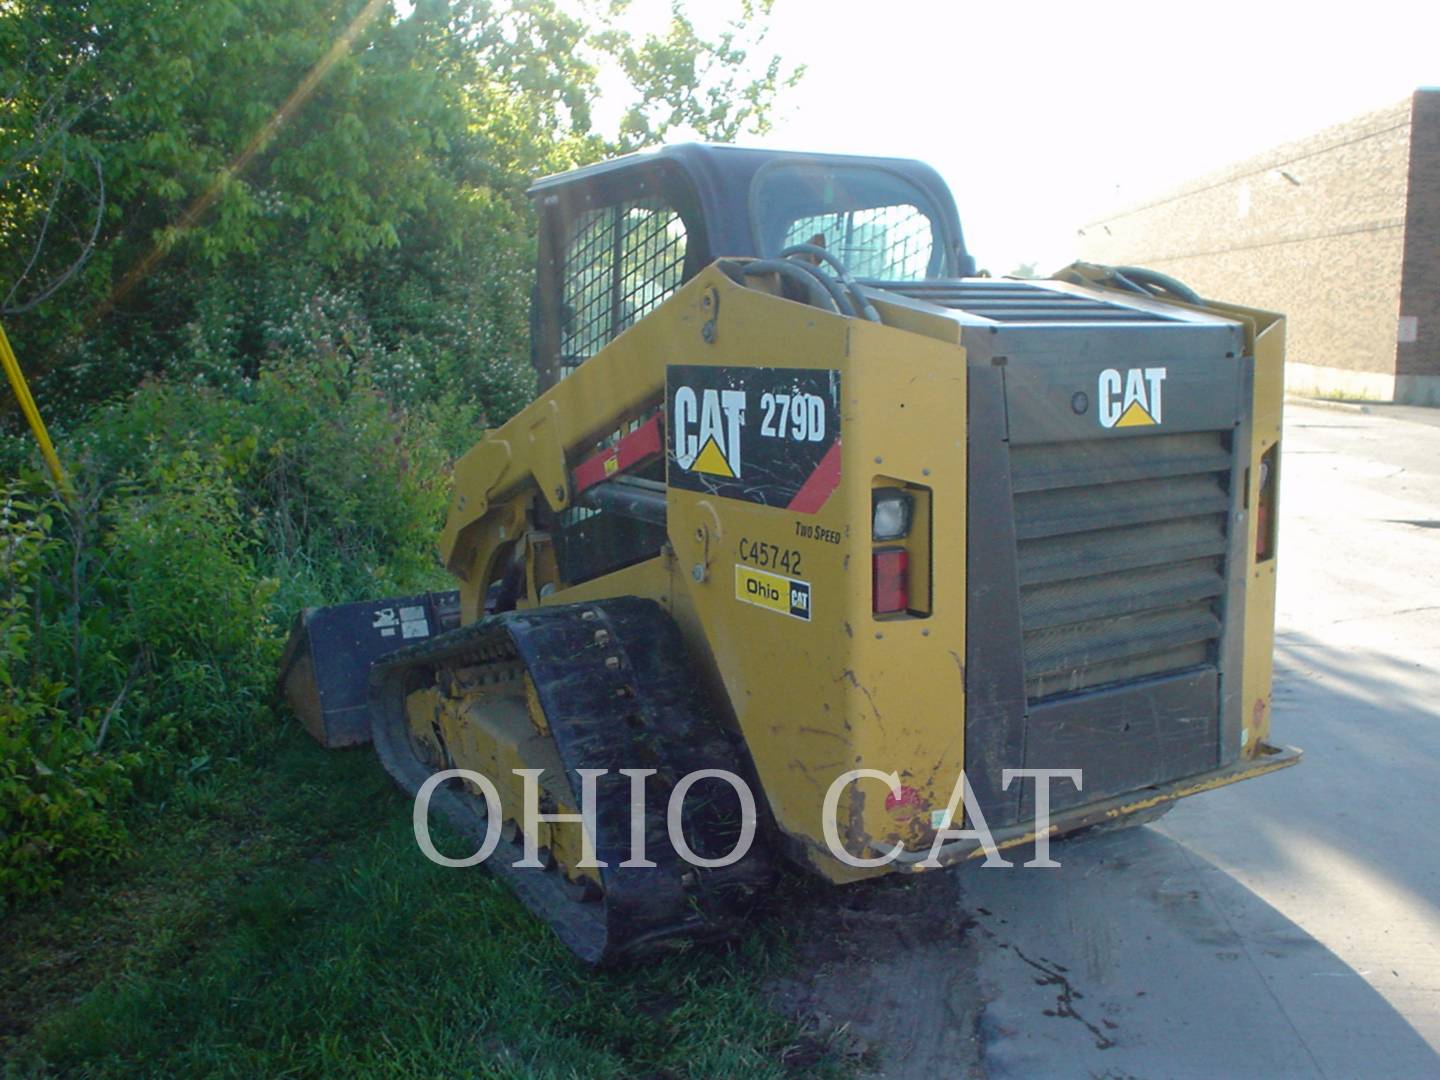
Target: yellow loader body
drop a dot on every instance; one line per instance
(922, 565)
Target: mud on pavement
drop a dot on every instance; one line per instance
(885, 972)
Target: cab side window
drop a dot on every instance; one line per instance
(882, 225)
(891, 243)
(620, 262)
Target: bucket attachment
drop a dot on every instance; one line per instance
(325, 669)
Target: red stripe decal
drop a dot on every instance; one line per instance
(825, 479)
(633, 449)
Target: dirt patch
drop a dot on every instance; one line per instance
(884, 973)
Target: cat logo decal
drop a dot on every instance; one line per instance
(1131, 398)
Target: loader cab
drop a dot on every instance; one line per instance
(616, 239)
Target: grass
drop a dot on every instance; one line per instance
(276, 920)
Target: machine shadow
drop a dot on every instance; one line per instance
(1360, 712)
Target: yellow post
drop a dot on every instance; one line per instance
(32, 414)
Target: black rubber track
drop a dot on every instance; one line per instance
(618, 691)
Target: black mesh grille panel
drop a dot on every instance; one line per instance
(621, 262)
(1121, 557)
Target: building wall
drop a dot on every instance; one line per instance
(1417, 363)
(1316, 229)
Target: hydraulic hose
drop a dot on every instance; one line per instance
(1151, 280)
(842, 302)
(792, 273)
(862, 302)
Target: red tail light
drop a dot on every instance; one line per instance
(1265, 506)
(1262, 538)
(891, 577)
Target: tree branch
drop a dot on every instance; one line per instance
(119, 700)
(80, 260)
(40, 240)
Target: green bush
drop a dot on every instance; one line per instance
(138, 641)
(143, 617)
(190, 609)
(57, 789)
(344, 488)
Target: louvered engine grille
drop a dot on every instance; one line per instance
(1121, 557)
(1020, 301)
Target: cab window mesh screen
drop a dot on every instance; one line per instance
(620, 262)
(892, 243)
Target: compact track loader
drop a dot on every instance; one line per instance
(806, 503)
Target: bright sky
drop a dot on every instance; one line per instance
(1044, 115)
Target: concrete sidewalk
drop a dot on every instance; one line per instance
(1414, 414)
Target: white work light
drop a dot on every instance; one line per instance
(892, 511)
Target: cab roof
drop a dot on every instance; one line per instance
(720, 177)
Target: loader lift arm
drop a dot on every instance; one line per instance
(531, 454)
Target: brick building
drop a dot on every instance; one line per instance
(1340, 231)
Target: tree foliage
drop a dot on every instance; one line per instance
(698, 84)
(162, 163)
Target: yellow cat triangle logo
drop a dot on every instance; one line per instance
(711, 460)
(1135, 416)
